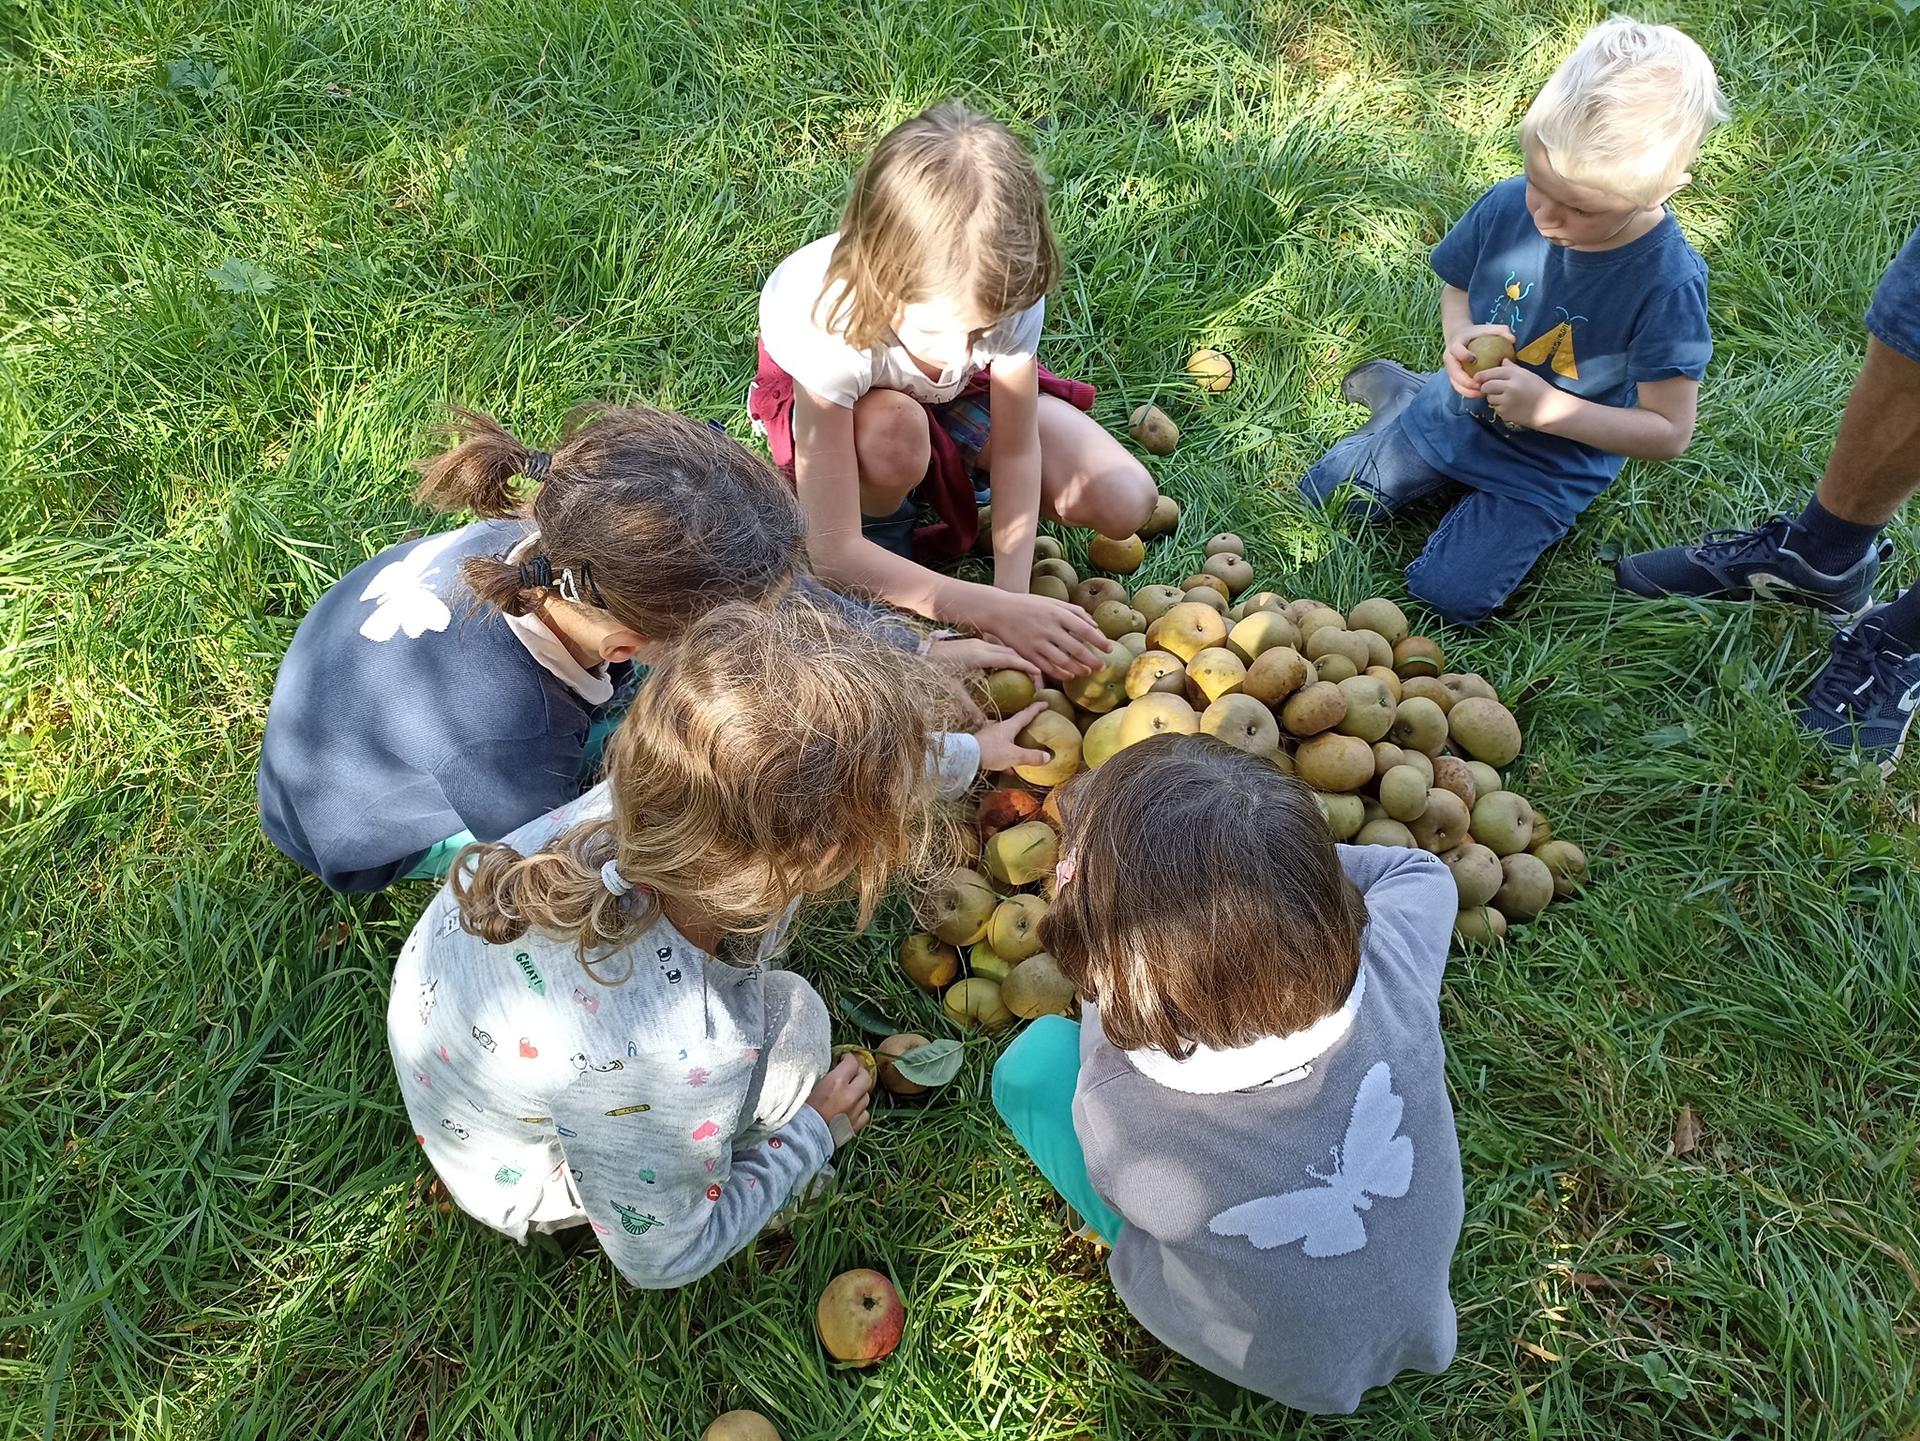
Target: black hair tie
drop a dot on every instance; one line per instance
(536, 574)
(537, 464)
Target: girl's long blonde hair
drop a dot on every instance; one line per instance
(776, 752)
(949, 203)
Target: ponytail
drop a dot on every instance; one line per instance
(560, 889)
(502, 585)
(477, 473)
(650, 517)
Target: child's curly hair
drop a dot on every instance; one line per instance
(776, 752)
(949, 203)
(1206, 903)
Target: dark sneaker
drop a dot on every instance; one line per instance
(1752, 564)
(1866, 697)
(1384, 387)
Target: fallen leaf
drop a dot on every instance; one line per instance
(242, 277)
(1686, 1131)
(333, 937)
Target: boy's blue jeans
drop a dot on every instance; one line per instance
(1033, 1085)
(1481, 550)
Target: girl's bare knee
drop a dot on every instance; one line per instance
(1115, 499)
(891, 441)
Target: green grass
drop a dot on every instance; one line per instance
(208, 1214)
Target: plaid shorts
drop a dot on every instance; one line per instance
(968, 421)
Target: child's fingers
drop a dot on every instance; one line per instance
(1018, 722)
(1000, 657)
(1457, 375)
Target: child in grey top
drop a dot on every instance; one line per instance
(1261, 1107)
(583, 1023)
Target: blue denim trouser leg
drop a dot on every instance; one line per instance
(1033, 1084)
(1479, 553)
(1388, 471)
(1894, 317)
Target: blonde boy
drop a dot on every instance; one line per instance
(1578, 265)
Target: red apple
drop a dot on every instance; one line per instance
(860, 1317)
(1001, 809)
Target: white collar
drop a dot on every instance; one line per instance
(595, 686)
(1271, 1060)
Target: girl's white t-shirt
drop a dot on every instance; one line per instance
(793, 311)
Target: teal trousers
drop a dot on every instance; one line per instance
(1033, 1084)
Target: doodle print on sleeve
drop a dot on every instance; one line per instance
(1372, 1161)
(635, 1223)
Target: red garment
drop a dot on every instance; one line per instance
(946, 486)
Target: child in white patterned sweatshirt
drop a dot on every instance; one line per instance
(585, 1022)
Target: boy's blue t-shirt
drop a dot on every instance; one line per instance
(1593, 323)
(405, 713)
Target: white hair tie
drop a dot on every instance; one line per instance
(611, 878)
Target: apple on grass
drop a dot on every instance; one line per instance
(860, 1318)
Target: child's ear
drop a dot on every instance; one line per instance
(620, 644)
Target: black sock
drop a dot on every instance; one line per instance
(1902, 618)
(1829, 544)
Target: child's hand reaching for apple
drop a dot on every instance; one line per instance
(1000, 748)
(968, 655)
(843, 1093)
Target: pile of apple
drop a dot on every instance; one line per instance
(1399, 750)
(981, 946)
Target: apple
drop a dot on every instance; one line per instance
(1002, 808)
(928, 962)
(1014, 931)
(740, 1426)
(1019, 856)
(890, 1050)
(860, 1318)
(977, 999)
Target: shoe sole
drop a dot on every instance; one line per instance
(1762, 586)
(1399, 370)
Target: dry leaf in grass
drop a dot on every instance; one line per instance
(1686, 1131)
(333, 937)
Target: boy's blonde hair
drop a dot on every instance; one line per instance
(774, 753)
(948, 203)
(1627, 111)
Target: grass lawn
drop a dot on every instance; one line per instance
(250, 247)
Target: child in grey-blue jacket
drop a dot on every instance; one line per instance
(1254, 1108)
